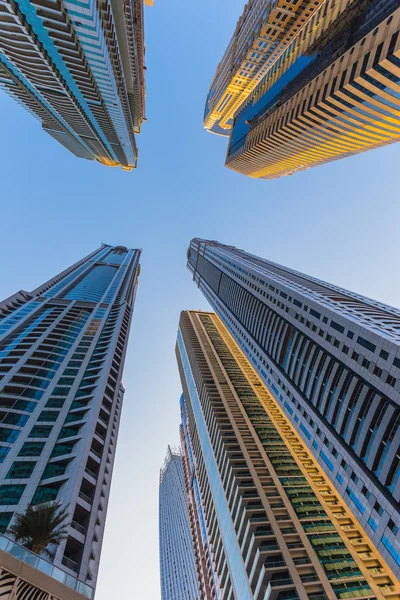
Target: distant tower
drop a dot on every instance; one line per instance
(177, 564)
(79, 69)
(270, 523)
(331, 359)
(62, 353)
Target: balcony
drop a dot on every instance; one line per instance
(85, 498)
(90, 473)
(44, 566)
(70, 564)
(78, 527)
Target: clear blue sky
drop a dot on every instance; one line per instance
(339, 222)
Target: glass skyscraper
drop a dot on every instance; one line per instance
(270, 523)
(78, 67)
(331, 360)
(305, 83)
(62, 352)
(177, 563)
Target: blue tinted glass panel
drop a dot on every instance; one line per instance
(93, 286)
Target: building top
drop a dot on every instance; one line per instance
(172, 453)
(379, 317)
(262, 34)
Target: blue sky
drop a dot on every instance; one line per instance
(338, 222)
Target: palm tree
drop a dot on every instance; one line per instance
(40, 527)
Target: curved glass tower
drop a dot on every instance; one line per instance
(62, 353)
(177, 564)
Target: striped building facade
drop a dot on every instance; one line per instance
(275, 526)
(262, 32)
(62, 353)
(78, 67)
(331, 359)
(330, 90)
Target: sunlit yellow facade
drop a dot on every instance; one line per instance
(262, 33)
(350, 107)
(374, 569)
(297, 539)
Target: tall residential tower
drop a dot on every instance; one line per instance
(331, 360)
(305, 83)
(271, 526)
(177, 562)
(62, 352)
(79, 69)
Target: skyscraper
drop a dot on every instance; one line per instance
(262, 33)
(79, 69)
(177, 564)
(331, 360)
(305, 83)
(62, 352)
(275, 526)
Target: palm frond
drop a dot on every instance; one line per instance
(40, 526)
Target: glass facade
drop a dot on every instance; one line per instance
(61, 360)
(177, 564)
(93, 105)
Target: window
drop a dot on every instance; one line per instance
(378, 372)
(354, 477)
(366, 344)
(345, 349)
(372, 524)
(365, 492)
(31, 449)
(365, 363)
(15, 419)
(48, 416)
(314, 313)
(53, 470)
(45, 493)
(378, 508)
(396, 362)
(391, 380)
(55, 403)
(336, 326)
(383, 354)
(40, 431)
(355, 356)
(21, 470)
(3, 453)
(11, 494)
(8, 435)
(356, 501)
(350, 335)
(393, 527)
(60, 449)
(5, 518)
